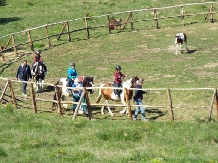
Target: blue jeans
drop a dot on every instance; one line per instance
(24, 85)
(138, 109)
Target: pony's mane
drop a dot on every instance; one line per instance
(127, 83)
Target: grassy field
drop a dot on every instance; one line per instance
(146, 52)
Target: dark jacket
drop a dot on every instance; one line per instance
(138, 93)
(24, 73)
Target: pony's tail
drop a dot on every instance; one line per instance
(99, 99)
(100, 95)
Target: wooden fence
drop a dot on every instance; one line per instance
(209, 15)
(85, 95)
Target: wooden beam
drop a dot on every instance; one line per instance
(78, 105)
(4, 90)
(61, 31)
(12, 94)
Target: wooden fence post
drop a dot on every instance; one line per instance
(128, 103)
(88, 104)
(131, 21)
(15, 47)
(108, 20)
(4, 90)
(33, 97)
(155, 17)
(30, 40)
(12, 94)
(78, 105)
(170, 104)
(125, 23)
(58, 100)
(3, 58)
(210, 10)
(68, 31)
(87, 28)
(182, 12)
(48, 38)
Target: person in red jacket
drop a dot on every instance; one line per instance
(37, 56)
(118, 80)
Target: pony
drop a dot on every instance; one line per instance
(64, 92)
(108, 94)
(114, 24)
(38, 72)
(180, 38)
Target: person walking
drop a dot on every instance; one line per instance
(76, 94)
(24, 73)
(138, 99)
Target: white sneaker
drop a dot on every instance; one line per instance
(25, 95)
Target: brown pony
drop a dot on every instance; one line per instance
(114, 24)
(108, 94)
(180, 38)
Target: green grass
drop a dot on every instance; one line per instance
(43, 138)
(147, 52)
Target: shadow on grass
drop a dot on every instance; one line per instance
(49, 89)
(8, 20)
(158, 113)
(191, 51)
(3, 3)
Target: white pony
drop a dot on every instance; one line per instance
(65, 92)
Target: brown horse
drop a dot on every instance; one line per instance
(180, 38)
(108, 93)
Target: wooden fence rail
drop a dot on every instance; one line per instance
(88, 104)
(87, 28)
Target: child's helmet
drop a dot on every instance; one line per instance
(118, 67)
(38, 52)
(72, 64)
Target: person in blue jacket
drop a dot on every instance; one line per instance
(72, 76)
(24, 73)
(138, 99)
(76, 94)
